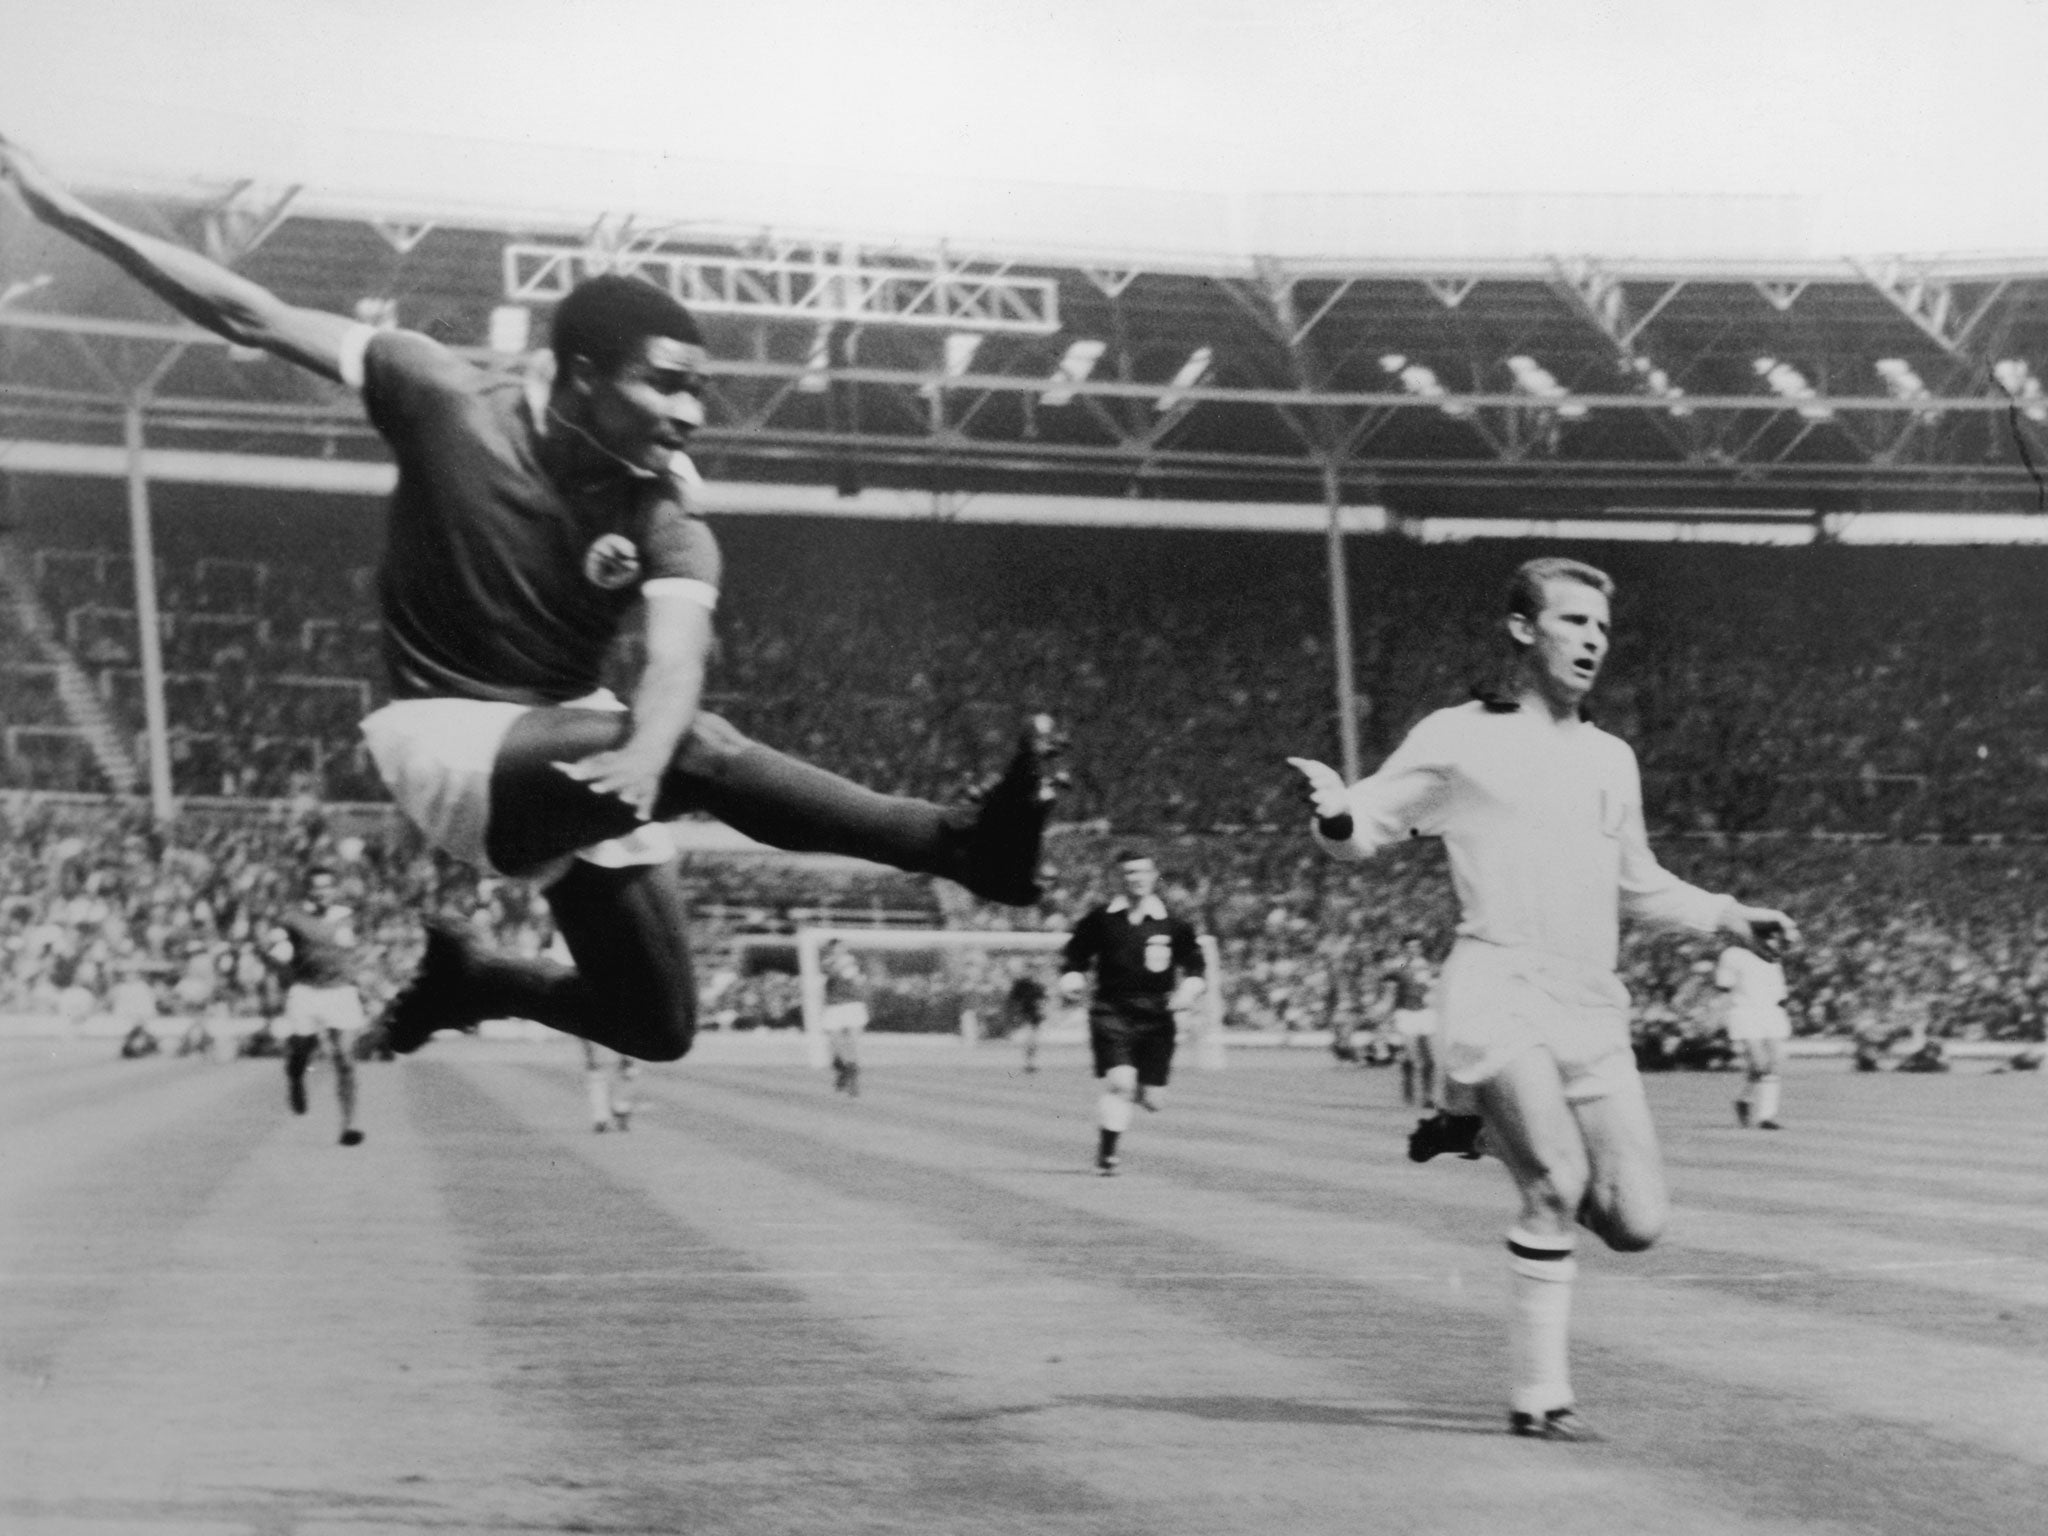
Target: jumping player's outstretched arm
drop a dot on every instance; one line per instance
(203, 291)
(665, 704)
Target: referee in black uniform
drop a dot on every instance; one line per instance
(1147, 966)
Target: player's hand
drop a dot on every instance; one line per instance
(1767, 931)
(634, 777)
(1072, 985)
(1326, 793)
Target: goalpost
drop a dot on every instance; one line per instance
(960, 969)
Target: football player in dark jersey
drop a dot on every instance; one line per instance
(531, 523)
(310, 949)
(1148, 968)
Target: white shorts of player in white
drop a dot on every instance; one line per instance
(436, 755)
(848, 1018)
(1414, 1023)
(1494, 1002)
(1758, 1024)
(312, 1010)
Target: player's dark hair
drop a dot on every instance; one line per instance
(1133, 856)
(321, 872)
(606, 320)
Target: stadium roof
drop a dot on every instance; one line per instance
(894, 302)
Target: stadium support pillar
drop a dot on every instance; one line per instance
(1340, 624)
(142, 545)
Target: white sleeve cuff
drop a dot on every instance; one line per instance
(355, 347)
(702, 593)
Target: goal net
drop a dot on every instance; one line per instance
(958, 981)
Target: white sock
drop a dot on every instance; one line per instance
(1540, 1330)
(599, 1093)
(1767, 1098)
(1113, 1112)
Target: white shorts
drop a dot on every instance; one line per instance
(850, 1017)
(436, 756)
(1493, 1003)
(1414, 1023)
(1759, 1024)
(313, 1010)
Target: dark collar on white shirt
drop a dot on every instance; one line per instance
(1151, 906)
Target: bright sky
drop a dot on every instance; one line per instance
(1907, 121)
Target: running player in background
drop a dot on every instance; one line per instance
(1147, 967)
(1757, 1026)
(1542, 815)
(310, 949)
(533, 522)
(1024, 1013)
(844, 1018)
(608, 1080)
(197, 990)
(1409, 980)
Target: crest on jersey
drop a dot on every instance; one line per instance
(612, 562)
(1158, 951)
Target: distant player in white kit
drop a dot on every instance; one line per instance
(1541, 813)
(845, 1016)
(1757, 1026)
(1414, 1022)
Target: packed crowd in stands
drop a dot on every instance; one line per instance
(1895, 701)
(1885, 691)
(1947, 940)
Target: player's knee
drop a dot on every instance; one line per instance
(1630, 1231)
(1122, 1081)
(1628, 1224)
(671, 1042)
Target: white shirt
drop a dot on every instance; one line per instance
(1544, 826)
(1753, 984)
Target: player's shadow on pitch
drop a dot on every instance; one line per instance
(1287, 1410)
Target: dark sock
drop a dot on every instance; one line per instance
(785, 803)
(1106, 1146)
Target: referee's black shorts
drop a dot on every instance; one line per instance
(1135, 1032)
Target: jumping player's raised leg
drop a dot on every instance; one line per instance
(631, 988)
(539, 814)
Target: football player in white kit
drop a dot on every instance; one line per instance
(1541, 813)
(1758, 1027)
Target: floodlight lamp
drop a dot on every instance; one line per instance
(1192, 372)
(960, 349)
(816, 377)
(1079, 362)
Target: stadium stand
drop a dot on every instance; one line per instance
(1827, 728)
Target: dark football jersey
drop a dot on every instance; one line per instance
(496, 583)
(844, 980)
(1134, 958)
(1411, 980)
(316, 946)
